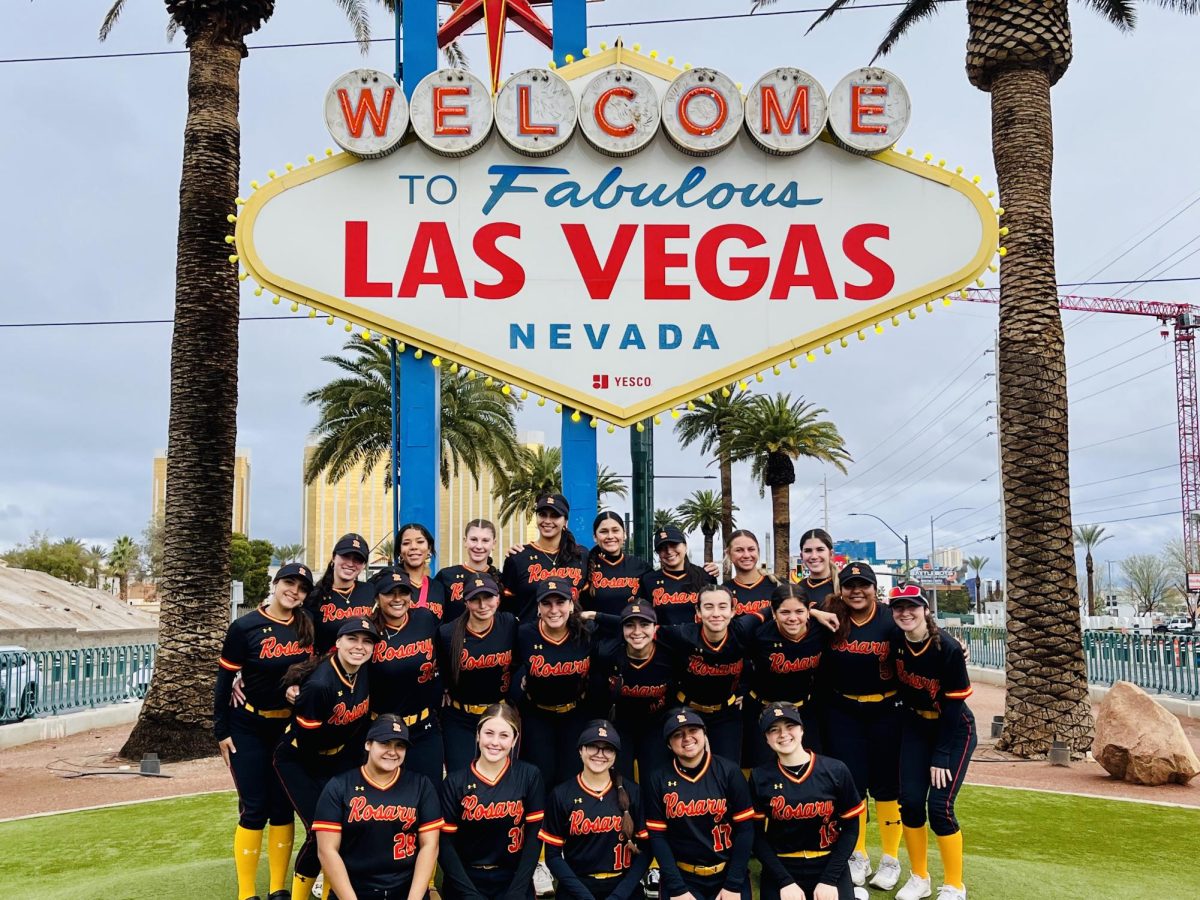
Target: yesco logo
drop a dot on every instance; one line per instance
(604, 382)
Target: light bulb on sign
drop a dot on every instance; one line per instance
(640, 427)
(810, 357)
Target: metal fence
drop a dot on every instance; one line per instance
(46, 682)
(1162, 663)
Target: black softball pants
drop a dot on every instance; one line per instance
(303, 782)
(807, 873)
(707, 887)
(866, 737)
(917, 742)
(493, 883)
(724, 729)
(426, 752)
(261, 798)
(643, 743)
(458, 737)
(550, 742)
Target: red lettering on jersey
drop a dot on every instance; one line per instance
(456, 590)
(581, 824)
(656, 692)
(539, 668)
(697, 666)
(384, 653)
(486, 661)
(331, 612)
(473, 810)
(781, 665)
(781, 809)
(538, 572)
(600, 581)
(865, 648)
(706, 806)
(345, 715)
(931, 686)
(663, 597)
(271, 648)
(362, 811)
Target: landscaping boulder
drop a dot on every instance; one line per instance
(1139, 741)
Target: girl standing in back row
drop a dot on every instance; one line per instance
(479, 541)
(339, 595)
(613, 576)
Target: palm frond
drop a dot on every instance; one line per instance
(360, 21)
(110, 18)
(456, 56)
(912, 13)
(756, 5)
(172, 29)
(1187, 7)
(830, 10)
(1121, 13)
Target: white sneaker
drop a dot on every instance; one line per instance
(950, 892)
(916, 888)
(650, 883)
(860, 867)
(887, 874)
(861, 893)
(318, 887)
(543, 883)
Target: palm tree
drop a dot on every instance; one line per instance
(537, 471)
(94, 558)
(1091, 536)
(202, 424)
(122, 558)
(977, 563)
(702, 510)
(287, 553)
(772, 432)
(713, 424)
(355, 420)
(1016, 51)
(667, 518)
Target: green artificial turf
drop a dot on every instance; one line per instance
(1020, 845)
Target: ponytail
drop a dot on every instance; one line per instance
(934, 631)
(306, 634)
(570, 548)
(627, 828)
(458, 642)
(300, 671)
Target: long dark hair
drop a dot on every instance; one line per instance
(325, 586)
(458, 641)
(569, 547)
(593, 557)
(421, 530)
(301, 621)
(301, 670)
(695, 579)
(618, 780)
(820, 534)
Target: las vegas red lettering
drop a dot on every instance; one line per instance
(781, 809)
(581, 824)
(384, 653)
(362, 811)
(539, 668)
(344, 715)
(473, 810)
(781, 665)
(707, 806)
(271, 648)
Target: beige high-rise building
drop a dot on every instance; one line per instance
(332, 509)
(240, 522)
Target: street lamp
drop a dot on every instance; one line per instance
(893, 531)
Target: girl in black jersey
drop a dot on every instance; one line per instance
(378, 825)
(404, 672)
(414, 553)
(475, 659)
(675, 587)
(808, 809)
(816, 554)
(554, 555)
(339, 595)
(492, 810)
(324, 736)
(592, 824)
(262, 645)
(937, 739)
(613, 577)
(750, 586)
(786, 653)
(863, 715)
(698, 813)
(479, 540)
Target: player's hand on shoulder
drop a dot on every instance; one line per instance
(225, 745)
(291, 693)
(794, 892)
(828, 619)
(237, 696)
(712, 569)
(514, 550)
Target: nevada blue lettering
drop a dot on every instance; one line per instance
(596, 342)
(560, 335)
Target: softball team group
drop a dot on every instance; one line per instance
(580, 723)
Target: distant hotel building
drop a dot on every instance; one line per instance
(332, 509)
(241, 490)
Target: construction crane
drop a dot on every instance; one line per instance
(1184, 319)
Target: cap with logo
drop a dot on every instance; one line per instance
(554, 588)
(668, 535)
(390, 581)
(359, 625)
(388, 728)
(681, 717)
(907, 593)
(554, 502)
(778, 712)
(639, 611)
(480, 584)
(295, 570)
(857, 571)
(351, 545)
(600, 732)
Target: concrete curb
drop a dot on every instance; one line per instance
(32, 730)
(1189, 709)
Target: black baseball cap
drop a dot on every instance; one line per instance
(668, 535)
(480, 584)
(681, 717)
(556, 502)
(351, 545)
(555, 588)
(639, 611)
(858, 571)
(907, 593)
(600, 731)
(391, 580)
(388, 728)
(295, 570)
(778, 712)
(359, 625)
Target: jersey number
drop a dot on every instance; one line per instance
(622, 857)
(428, 672)
(722, 837)
(516, 837)
(404, 845)
(829, 834)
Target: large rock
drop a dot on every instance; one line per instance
(1139, 741)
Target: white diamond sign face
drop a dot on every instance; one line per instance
(618, 286)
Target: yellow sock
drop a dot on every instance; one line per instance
(890, 828)
(301, 887)
(950, 846)
(916, 841)
(279, 853)
(247, 845)
(861, 845)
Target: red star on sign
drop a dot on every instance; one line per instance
(495, 15)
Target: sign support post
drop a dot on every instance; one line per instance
(570, 30)
(641, 454)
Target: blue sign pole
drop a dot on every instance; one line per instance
(417, 447)
(570, 32)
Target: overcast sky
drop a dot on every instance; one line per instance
(91, 155)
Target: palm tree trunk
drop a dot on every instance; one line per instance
(1091, 584)
(708, 544)
(1047, 695)
(781, 526)
(175, 720)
